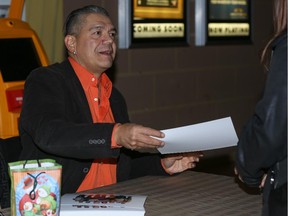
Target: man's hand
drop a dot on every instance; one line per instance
(181, 162)
(135, 137)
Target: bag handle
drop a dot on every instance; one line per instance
(32, 193)
(38, 162)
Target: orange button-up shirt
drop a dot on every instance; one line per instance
(98, 90)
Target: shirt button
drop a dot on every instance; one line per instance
(93, 79)
(85, 170)
(95, 99)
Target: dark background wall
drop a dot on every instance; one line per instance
(176, 86)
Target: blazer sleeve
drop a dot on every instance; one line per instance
(263, 141)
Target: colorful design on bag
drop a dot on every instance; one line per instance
(37, 195)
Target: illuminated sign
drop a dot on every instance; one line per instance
(228, 10)
(159, 9)
(222, 22)
(228, 18)
(228, 29)
(158, 30)
(158, 22)
(153, 23)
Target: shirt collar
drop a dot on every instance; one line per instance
(88, 79)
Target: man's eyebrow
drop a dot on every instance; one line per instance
(101, 27)
(96, 27)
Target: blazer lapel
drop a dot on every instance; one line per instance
(76, 88)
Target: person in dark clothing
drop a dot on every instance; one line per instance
(261, 157)
(72, 113)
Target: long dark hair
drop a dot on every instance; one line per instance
(280, 27)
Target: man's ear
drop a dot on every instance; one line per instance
(70, 43)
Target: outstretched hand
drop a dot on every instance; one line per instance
(181, 162)
(136, 137)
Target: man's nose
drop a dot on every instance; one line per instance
(107, 38)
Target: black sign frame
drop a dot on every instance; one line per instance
(238, 29)
(148, 30)
(231, 24)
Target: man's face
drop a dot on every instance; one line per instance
(95, 44)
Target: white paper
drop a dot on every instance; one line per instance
(209, 135)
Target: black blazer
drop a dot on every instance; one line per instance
(56, 123)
